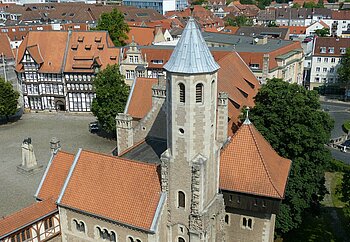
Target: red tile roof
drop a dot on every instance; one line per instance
(115, 188)
(295, 29)
(5, 47)
(141, 97)
(341, 15)
(330, 42)
(50, 49)
(249, 164)
(142, 36)
(26, 217)
(55, 175)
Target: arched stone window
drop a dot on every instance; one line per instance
(113, 237)
(199, 93)
(130, 239)
(182, 92)
(181, 239)
(181, 199)
(213, 91)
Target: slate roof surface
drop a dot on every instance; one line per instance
(114, 188)
(26, 216)
(249, 164)
(191, 54)
(55, 175)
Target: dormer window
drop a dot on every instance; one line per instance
(323, 50)
(87, 47)
(342, 50)
(331, 50)
(80, 38)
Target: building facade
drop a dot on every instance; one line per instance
(62, 79)
(326, 57)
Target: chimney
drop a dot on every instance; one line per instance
(159, 90)
(125, 137)
(55, 145)
(221, 130)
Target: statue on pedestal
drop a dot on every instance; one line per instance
(29, 164)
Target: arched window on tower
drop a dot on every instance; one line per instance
(199, 93)
(181, 199)
(213, 91)
(182, 92)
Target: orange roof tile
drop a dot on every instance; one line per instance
(114, 188)
(5, 47)
(89, 44)
(51, 49)
(295, 29)
(55, 175)
(141, 97)
(142, 36)
(249, 164)
(26, 216)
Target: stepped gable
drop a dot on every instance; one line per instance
(249, 164)
(113, 188)
(54, 176)
(191, 55)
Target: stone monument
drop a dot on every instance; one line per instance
(29, 164)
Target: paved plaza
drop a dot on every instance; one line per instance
(17, 190)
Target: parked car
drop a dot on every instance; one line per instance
(94, 127)
(307, 40)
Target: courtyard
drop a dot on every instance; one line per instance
(17, 190)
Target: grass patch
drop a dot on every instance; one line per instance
(346, 126)
(336, 195)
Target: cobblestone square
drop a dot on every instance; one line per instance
(17, 190)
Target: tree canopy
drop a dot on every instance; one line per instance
(8, 99)
(239, 21)
(111, 96)
(344, 72)
(322, 32)
(114, 23)
(290, 118)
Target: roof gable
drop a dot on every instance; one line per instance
(249, 164)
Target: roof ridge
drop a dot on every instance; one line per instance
(262, 158)
(121, 158)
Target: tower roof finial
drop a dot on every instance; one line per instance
(247, 121)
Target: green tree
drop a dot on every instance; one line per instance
(296, 5)
(114, 23)
(290, 118)
(344, 72)
(239, 21)
(111, 96)
(272, 24)
(8, 99)
(322, 32)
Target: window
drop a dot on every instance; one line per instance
(318, 69)
(331, 70)
(318, 59)
(131, 59)
(213, 91)
(48, 223)
(227, 219)
(323, 50)
(247, 223)
(199, 93)
(136, 59)
(79, 226)
(331, 50)
(181, 199)
(181, 239)
(326, 59)
(333, 60)
(182, 92)
(342, 50)
(254, 66)
(325, 69)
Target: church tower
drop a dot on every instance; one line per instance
(190, 166)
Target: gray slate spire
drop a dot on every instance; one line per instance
(191, 54)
